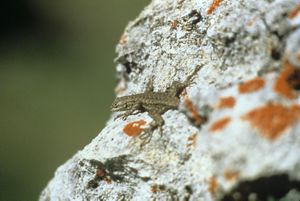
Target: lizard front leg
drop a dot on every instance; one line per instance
(158, 122)
(132, 111)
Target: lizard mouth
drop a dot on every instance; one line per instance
(113, 108)
(116, 108)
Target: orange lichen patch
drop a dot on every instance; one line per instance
(123, 40)
(226, 102)
(282, 85)
(100, 172)
(174, 24)
(220, 124)
(215, 4)
(212, 185)
(294, 12)
(272, 119)
(192, 141)
(251, 85)
(134, 128)
(231, 175)
(198, 119)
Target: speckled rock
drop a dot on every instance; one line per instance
(236, 134)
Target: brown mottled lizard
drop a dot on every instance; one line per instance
(155, 103)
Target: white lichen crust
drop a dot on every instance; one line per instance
(238, 122)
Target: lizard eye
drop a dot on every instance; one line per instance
(115, 105)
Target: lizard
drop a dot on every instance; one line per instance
(155, 103)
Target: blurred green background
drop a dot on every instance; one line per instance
(56, 83)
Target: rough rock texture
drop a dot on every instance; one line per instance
(236, 134)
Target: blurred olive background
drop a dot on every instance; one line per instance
(56, 84)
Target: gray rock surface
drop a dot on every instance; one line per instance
(236, 134)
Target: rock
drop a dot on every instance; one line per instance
(236, 134)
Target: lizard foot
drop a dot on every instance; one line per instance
(124, 115)
(145, 137)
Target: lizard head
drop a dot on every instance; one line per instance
(120, 104)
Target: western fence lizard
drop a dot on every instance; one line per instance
(155, 103)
